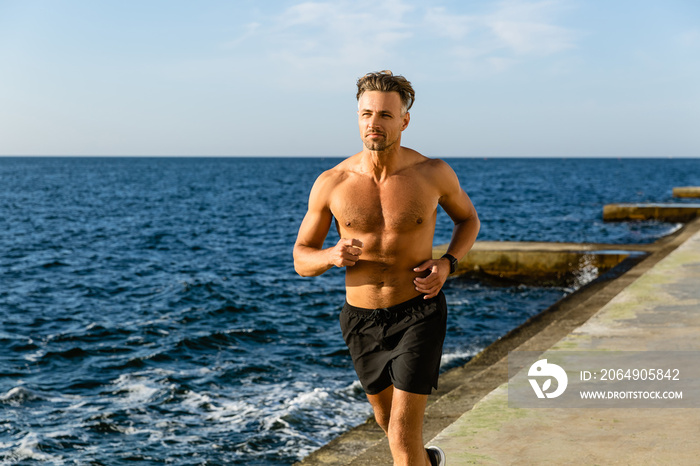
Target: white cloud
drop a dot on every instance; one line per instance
(531, 38)
(526, 27)
(307, 13)
(341, 37)
(498, 39)
(341, 32)
(443, 23)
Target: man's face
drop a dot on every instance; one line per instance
(380, 119)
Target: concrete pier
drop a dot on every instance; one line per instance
(661, 212)
(543, 263)
(687, 191)
(658, 311)
(653, 305)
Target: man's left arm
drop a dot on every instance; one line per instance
(459, 207)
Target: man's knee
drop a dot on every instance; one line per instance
(400, 433)
(406, 443)
(383, 418)
(403, 431)
(406, 420)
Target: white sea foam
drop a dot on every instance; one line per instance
(138, 389)
(354, 388)
(459, 302)
(449, 357)
(673, 228)
(586, 272)
(59, 434)
(316, 397)
(18, 395)
(29, 449)
(195, 400)
(36, 355)
(281, 409)
(221, 410)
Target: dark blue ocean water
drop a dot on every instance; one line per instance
(151, 314)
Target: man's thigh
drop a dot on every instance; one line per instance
(408, 409)
(381, 404)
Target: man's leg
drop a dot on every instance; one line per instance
(381, 404)
(406, 429)
(400, 414)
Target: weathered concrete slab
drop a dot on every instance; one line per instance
(543, 263)
(687, 191)
(638, 319)
(661, 212)
(494, 434)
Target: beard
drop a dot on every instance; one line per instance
(379, 144)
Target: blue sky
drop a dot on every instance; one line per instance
(551, 78)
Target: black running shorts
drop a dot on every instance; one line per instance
(400, 345)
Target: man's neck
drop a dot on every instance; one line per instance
(381, 164)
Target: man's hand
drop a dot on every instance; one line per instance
(346, 253)
(432, 284)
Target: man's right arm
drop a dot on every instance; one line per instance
(310, 259)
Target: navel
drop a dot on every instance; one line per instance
(419, 221)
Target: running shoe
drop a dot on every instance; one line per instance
(437, 456)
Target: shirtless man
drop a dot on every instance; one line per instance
(384, 200)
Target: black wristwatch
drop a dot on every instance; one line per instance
(453, 262)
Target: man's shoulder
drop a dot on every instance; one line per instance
(332, 177)
(435, 172)
(341, 171)
(427, 165)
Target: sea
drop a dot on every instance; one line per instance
(150, 312)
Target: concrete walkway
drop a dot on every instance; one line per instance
(659, 311)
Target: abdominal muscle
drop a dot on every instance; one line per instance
(383, 277)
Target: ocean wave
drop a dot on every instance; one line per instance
(135, 389)
(18, 396)
(31, 448)
(449, 358)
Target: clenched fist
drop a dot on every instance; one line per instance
(346, 253)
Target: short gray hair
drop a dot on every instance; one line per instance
(385, 81)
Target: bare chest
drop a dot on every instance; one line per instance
(396, 205)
